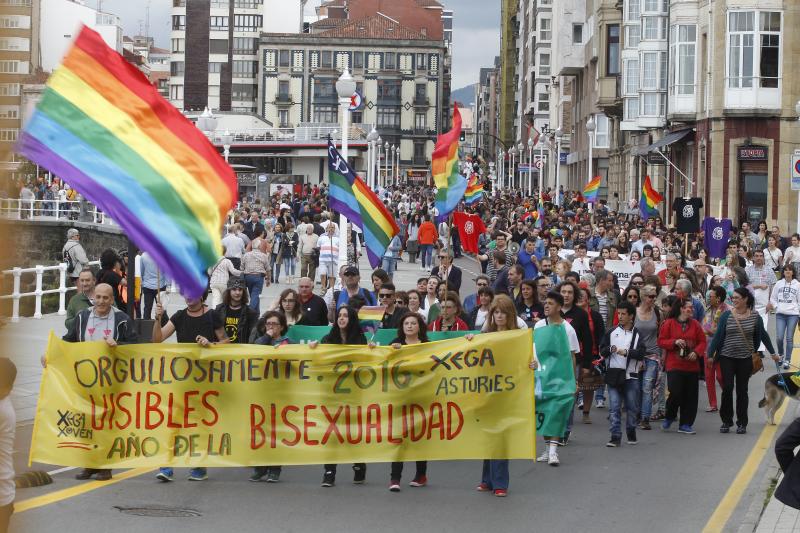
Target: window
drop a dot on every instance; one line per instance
(248, 4)
(633, 35)
(9, 111)
(326, 114)
(631, 77)
(327, 59)
(283, 58)
(633, 13)
(245, 45)
(389, 90)
(283, 89)
(545, 29)
(650, 70)
(9, 89)
(601, 132)
(388, 117)
(612, 50)
(769, 61)
(8, 134)
(544, 101)
(218, 23)
(242, 91)
(420, 121)
(740, 49)
(358, 59)
(178, 22)
(390, 61)
(245, 69)
(356, 117)
(283, 118)
(247, 22)
(176, 68)
(15, 21)
(577, 34)
(20, 44)
(544, 65)
(421, 63)
(218, 46)
(324, 88)
(631, 108)
(655, 6)
(214, 67)
(178, 46)
(654, 28)
(653, 104)
(419, 151)
(176, 92)
(683, 44)
(420, 91)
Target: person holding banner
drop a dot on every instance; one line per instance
(412, 331)
(555, 349)
(346, 330)
(238, 318)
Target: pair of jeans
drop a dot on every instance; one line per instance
(600, 394)
(714, 371)
(784, 332)
(426, 255)
(628, 393)
(649, 377)
(276, 267)
(736, 372)
(682, 396)
(289, 265)
(254, 282)
(397, 470)
(389, 264)
(495, 473)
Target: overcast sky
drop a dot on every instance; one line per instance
(476, 30)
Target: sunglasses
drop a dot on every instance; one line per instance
(386, 295)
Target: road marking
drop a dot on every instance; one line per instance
(61, 470)
(745, 475)
(77, 490)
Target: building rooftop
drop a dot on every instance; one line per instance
(374, 27)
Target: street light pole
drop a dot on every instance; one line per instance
(397, 165)
(386, 164)
(530, 170)
(371, 137)
(345, 87)
(590, 127)
(559, 134)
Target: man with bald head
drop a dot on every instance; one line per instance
(101, 322)
(313, 307)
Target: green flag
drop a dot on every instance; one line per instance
(556, 374)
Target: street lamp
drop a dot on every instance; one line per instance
(386, 163)
(559, 135)
(345, 87)
(207, 122)
(521, 152)
(227, 139)
(590, 127)
(501, 167)
(511, 171)
(391, 165)
(530, 170)
(371, 138)
(397, 164)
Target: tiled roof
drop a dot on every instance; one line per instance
(374, 27)
(428, 3)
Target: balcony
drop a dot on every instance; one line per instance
(609, 95)
(284, 99)
(421, 101)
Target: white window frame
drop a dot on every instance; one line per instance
(741, 79)
(631, 75)
(683, 67)
(545, 29)
(544, 66)
(602, 132)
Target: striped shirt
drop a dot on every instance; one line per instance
(734, 345)
(328, 249)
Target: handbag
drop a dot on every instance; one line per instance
(758, 364)
(615, 377)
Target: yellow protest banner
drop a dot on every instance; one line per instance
(246, 405)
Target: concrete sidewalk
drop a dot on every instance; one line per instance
(778, 518)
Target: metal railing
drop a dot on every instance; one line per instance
(17, 209)
(304, 132)
(38, 292)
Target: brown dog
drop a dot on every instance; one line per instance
(775, 393)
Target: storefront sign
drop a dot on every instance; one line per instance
(752, 153)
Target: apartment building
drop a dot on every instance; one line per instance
(486, 101)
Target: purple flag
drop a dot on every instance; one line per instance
(716, 234)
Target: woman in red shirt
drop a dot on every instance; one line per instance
(450, 319)
(427, 236)
(684, 342)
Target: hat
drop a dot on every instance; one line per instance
(71, 232)
(236, 283)
(351, 271)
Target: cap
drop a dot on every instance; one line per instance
(236, 283)
(71, 232)
(351, 271)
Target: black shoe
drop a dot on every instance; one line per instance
(85, 474)
(725, 428)
(741, 430)
(329, 479)
(615, 442)
(258, 473)
(632, 437)
(359, 474)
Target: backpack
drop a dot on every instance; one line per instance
(67, 258)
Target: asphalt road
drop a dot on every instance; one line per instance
(668, 482)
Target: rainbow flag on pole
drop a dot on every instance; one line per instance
(371, 313)
(351, 196)
(105, 129)
(474, 190)
(591, 190)
(539, 223)
(450, 185)
(649, 200)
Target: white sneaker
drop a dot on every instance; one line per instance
(600, 404)
(552, 460)
(544, 458)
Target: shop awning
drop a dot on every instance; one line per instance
(668, 139)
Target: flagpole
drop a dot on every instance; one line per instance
(345, 87)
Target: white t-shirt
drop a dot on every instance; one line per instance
(521, 324)
(8, 424)
(572, 337)
(234, 246)
(793, 254)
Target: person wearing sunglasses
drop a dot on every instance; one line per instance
(647, 322)
(393, 312)
(471, 301)
(448, 271)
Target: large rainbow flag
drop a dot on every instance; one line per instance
(649, 200)
(474, 190)
(104, 129)
(450, 185)
(351, 196)
(591, 189)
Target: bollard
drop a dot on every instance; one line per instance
(37, 311)
(15, 295)
(62, 288)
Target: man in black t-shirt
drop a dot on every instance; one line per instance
(313, 307)
(520, 233)
(687, 214)
(196, 323)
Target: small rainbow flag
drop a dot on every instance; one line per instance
(371, 313)
(591, 190)
(649, 200)
(105, 129)
(450, 185)
(474, 190)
